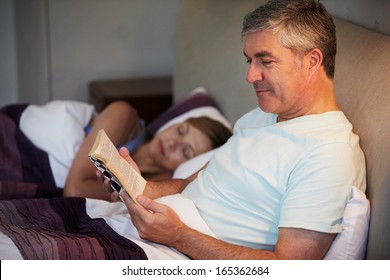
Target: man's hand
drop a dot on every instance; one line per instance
(114, 196)
(124, 152)
(155, 222)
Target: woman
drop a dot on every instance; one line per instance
(157, 158)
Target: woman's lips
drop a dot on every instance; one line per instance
(161, 147)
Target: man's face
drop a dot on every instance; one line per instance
(278, 77)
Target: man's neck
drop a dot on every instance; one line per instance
(324, 101)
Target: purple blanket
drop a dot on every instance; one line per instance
(24, 169)
(60, 229)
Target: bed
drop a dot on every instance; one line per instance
(362, 94)
(37, 223)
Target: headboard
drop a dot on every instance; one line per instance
(209, 53)
(362, 85)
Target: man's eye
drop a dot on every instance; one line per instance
(249, 61)
(266, 62)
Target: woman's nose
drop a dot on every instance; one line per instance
(174, 144)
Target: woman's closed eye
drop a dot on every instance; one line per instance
(188, 152)
(182, 129)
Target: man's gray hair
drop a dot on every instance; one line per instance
(302, 25)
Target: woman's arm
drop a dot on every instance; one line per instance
(120, 121)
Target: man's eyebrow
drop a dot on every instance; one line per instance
(261, 54)
(264, 54)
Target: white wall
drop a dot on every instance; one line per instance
(32, 50)
(92, 39)
(63, 45)
(8, 82)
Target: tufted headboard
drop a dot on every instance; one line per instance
(209, 53)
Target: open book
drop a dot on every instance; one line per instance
(121, 175)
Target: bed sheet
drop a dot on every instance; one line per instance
(117, 217)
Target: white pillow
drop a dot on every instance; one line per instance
(351, 243)
(59, 118)
(207, 111)
(197, 103)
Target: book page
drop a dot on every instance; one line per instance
(131, 180)
(105, 151)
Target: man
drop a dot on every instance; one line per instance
(288, 169)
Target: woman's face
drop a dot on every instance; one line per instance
(177, 144)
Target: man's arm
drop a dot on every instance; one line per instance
(158, 189)
(292, 244)
(163, 225)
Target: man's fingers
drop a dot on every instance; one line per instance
(99, 175)
(124, 152)
(133, 207)
(114, 196)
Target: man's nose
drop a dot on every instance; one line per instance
(254, 74)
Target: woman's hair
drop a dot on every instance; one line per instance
(216, 131)
(302, 25)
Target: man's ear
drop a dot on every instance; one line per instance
(315, 59)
